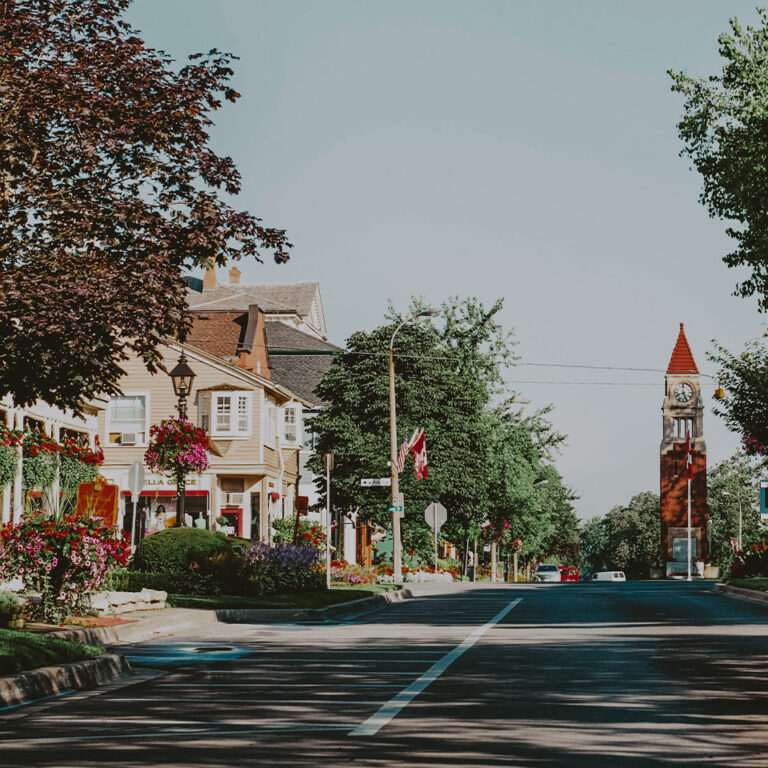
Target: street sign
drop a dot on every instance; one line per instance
(397, 508)
(376, 482)
(435, 515)
(136, 478)
(764, 499)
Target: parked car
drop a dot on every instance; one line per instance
(546, 572)
(569, 573)
(610, 576)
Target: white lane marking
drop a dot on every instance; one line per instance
(393, 707)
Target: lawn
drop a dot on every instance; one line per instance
(759, 583)
(319, 599)
(24, 650)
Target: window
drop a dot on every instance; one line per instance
(270, 423)
(291, 424)
(310, 436)
(127, 420)
(225, 414)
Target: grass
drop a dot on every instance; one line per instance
(759, 583)
(319, 599)
(20, 651)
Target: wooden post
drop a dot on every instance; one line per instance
(515, 556)
(493, 562)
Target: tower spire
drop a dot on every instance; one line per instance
(682, 358)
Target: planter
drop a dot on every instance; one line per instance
(657, 572)
(711, 571)
(12, 616)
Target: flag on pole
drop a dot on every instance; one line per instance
(688, 456)
(400, 465)
(418, 448)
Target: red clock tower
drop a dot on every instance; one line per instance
(682, 412)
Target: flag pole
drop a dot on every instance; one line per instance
(688, 473)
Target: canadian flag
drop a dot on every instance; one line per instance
(419, 452)
(688, 457)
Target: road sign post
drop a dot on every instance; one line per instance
(136, 476)
(376, 482)
(435, 515)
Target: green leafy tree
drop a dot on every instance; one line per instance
(109, 188)
(724, 129)
(593, 537)
(732, 480)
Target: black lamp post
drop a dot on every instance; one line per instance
(182, 377)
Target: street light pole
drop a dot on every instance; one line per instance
(182, 377)
(397, 544)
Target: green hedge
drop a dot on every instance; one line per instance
(189, 583)
(176, 549)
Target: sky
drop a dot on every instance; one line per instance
(492, 148)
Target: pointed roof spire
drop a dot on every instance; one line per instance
(682, 359)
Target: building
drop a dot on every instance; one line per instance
(682, 414)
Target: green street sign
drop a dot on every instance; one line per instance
(395, 509)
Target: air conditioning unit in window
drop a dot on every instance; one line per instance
(233, 499)
(128, 438)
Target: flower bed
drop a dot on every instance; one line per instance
(342, 573)
(384, 575)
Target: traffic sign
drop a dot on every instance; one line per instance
(136, 478)
(435, 515)
(375, 482)
(397, 508)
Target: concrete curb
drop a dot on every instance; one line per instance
(337, 611)
(36, 684)
(743, 594)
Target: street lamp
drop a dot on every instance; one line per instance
(397, 546)
(182, 377)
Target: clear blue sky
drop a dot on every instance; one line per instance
(491, 148)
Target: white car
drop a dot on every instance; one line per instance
(610, 576)
(546, 572)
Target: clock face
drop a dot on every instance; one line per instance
(683, 392)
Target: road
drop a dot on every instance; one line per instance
(636, 674)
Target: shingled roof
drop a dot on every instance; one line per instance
(682, 359)
(290, 297)
(299, 373)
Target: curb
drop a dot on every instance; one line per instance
(33, 685)
(339, 610)
(743, 594)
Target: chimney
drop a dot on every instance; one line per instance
(210, 284)
(234, 275)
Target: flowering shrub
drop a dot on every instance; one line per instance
(63, 560)
(385, 574)
(176, 447)
(41, 460)
(311, 534)
(78, 464)
(344, 573)
(279, 568)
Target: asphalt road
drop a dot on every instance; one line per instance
(636, 674)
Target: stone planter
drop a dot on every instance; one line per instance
(711, 571)
(12, 616)
(657, 572)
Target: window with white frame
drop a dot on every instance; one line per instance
(269, 422)
(225, 414)
(127, 420)
(291, 423)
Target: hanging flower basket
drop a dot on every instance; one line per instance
(176, 447)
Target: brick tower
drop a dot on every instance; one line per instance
(682, 410)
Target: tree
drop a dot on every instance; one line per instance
(725, 133)
(444, 380)
(593, 537)
(108, 189)
(733, 480)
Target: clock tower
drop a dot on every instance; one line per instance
(682, 412)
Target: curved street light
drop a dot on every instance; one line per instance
(397, 545)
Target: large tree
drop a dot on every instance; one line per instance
(108, 190)
(725, 132)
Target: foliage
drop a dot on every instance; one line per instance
(751, 561)
(175, 549)
(8, 599)
(279, 568)
(344, 573)
(9, 465)
(728, 482)
(20, 651)
(189, 582)
(723, 129)
(626, 539)
(310, 533)
(176, 447)
(62, 559)
(109, 188)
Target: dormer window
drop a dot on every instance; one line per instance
(225, 414)
(291, 423)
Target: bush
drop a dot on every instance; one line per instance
(176, 549)
(191, 582)
(279, 568)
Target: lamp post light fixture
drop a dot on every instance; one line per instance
(182, 377)
(397, 545)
